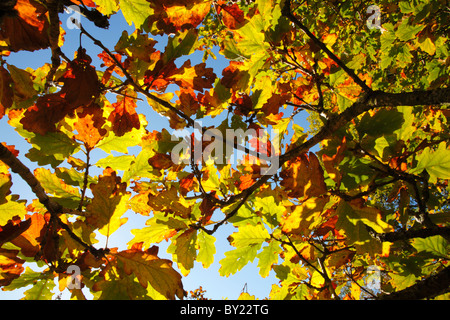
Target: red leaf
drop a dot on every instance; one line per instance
(232, 16)
(48, 110)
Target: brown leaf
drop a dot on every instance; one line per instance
(46, 113)
(12, 230)
(124, 117)
(81, 87)
(29, 29)
(6, 93)
(232, 16)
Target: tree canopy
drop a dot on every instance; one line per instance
(354, 207)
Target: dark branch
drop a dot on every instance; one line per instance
(288, 14)
(430, 287)
(409, 234)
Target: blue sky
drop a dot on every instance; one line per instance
(216, 287)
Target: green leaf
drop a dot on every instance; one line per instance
(206, 248)
(116, 162)
(249, 235)
(159, 228)
(122, 143)
(42, 289)
(403, 280)
(52, 148)
(182, 44)
(10, 209)
(28, 277)
(353, 220)
(184, 251)
(406, 31)
(236, 259)
(437, 163)
(267, 257)
(270, 209)
(135, 11)
(65, 194)
(435, 245)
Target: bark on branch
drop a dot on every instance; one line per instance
(409, 234)
(430, 287)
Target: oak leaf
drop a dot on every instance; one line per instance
(6, 93)
(303, 177)
(29, 240)
(124, 117)
(80, 88)
(29, 30)
(10, 266)
(150, 269)
(108, 193)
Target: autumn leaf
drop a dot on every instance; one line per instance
(173, 16)
(13, 229)
(197, 77)
(107, 201)
(124, 117)
(89, 126)
(149, 269)
(304, 177)
(80, 88)
(29, 241)
(305, 217)
(232, 16)
(10, 266)
(29, 29)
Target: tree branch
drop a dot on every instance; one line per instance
(18, 167)
(409, 234)
(286, 11)
(430, 287)
(53, 207)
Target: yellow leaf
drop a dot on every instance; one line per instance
(150, 269)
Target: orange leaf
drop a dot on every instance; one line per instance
(89, 126)
(331, 162)
(171, 16)
(10, 266)
(197, 77)
(29, 241)
(303, 177)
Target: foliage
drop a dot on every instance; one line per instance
(365, 189)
